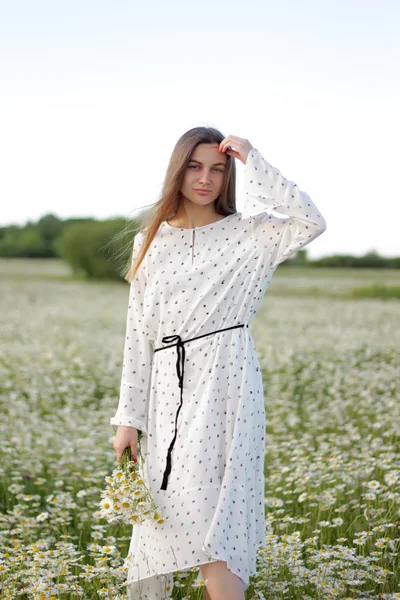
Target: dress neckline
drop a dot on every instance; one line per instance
(201, 227)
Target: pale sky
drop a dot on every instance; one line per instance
(94, 96)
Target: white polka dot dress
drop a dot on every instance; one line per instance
(193, 282)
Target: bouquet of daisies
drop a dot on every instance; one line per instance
(126, 498)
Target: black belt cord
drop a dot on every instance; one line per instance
(180, 370)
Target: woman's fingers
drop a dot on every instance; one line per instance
(119, 454)
(236, 146)
(233, 140)
(127, 437)
(133, 448)
(119, 451)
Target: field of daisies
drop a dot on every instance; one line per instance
(329, 345)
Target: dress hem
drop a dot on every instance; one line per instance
(188, 567)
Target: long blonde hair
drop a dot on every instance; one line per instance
(168, 203)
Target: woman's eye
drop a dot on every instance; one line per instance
(197, 167)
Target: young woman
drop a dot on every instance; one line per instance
(191, 379)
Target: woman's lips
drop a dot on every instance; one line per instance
(202, 191)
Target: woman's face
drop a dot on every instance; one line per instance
(205, 171)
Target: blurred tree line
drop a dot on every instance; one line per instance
(97, 249)
(102, 249)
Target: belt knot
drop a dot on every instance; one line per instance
(180, 366)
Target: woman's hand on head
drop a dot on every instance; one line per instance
(236, 146)
(124, 438)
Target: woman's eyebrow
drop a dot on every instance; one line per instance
(200, 163)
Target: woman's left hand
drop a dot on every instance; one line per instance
(236, 146)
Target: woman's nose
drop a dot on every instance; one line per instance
(204, 176)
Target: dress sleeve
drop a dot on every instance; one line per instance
(265, 188)
(132, 408)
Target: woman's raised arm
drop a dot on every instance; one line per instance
(265, 188)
